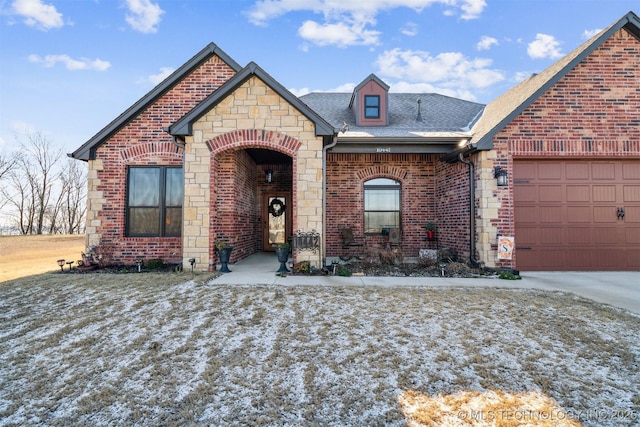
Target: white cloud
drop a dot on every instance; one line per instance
(155, 79)
(486, 42)
(410, 29)
(587, 34)
(144, 15)
(37, 14)
(70, 63)
(345, 21)
(450, 73)
(472, 8)
(340, 34)
(544, 46)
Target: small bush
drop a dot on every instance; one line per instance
(155, 264)
(507, 275)
(344, 272)
(302, 267)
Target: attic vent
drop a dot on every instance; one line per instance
(419, 117)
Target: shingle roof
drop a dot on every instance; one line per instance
(506, 107)
(441, 115)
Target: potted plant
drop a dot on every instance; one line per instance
(282, 251)
(224, 253)
(431, 230)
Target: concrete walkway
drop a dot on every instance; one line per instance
(619, 289)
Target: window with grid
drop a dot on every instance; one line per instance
(381, 205)
(371, 106)
(154, 201)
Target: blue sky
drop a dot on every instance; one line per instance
(69, 67)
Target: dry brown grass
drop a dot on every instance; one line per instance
(177, 349)
(22, 256)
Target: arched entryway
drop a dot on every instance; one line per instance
(252, 199)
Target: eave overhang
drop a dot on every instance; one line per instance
(87, 150)
(184, 126)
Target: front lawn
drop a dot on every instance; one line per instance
(106, 349)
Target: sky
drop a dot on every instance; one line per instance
(69, 67)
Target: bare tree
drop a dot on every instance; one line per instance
(71, 203)
(33, 179)
(7, 163)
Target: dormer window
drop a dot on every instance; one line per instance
(372, 107)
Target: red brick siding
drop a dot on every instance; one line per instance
(593, 111)
(453, 210)
(346, 174)
(142, 141)
(238, 187)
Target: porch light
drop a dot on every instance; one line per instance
(501, 176)
(268, 176)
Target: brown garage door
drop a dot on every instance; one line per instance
(577, 215)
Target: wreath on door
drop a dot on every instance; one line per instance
(276, 207)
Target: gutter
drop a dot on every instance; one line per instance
(472, 209)
(334, 141)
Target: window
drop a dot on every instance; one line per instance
(154, 201)
(381, 205)
(371, 107)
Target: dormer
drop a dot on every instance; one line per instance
(369, 102)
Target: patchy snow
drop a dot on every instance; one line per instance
(107, 353)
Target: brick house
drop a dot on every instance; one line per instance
(218, 151)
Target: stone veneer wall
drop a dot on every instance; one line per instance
(253, 116)
(143, 141)
(592, 112)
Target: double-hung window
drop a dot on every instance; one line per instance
(154, 201)
(371, 106)
(381, 205)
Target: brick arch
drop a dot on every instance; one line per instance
(382, 171)
(151, 149)
(251, 138)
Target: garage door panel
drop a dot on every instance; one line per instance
(526, 193)
(549, 171)
(578, 193)
(604, 193)
(631, 170)
(577, 170)
(603, 171)
(631, 193)
(604, 214)
(527, 214)
(550, 193)
(579, 215)
(605, 236)
(567, 217)
(551, 236)
(550, 214)
(632, 214)
(632, 236)
(579, 236)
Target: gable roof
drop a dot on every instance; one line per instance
(87, 150)
(509, 105)
(184, 126)
(364, 82)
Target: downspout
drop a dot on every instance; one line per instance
(472, 210)
(334, 141)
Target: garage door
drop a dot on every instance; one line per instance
(577, 215)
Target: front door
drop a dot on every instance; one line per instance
(277, 220)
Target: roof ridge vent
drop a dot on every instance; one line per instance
(419, 117)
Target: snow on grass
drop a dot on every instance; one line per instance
(125, 350)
